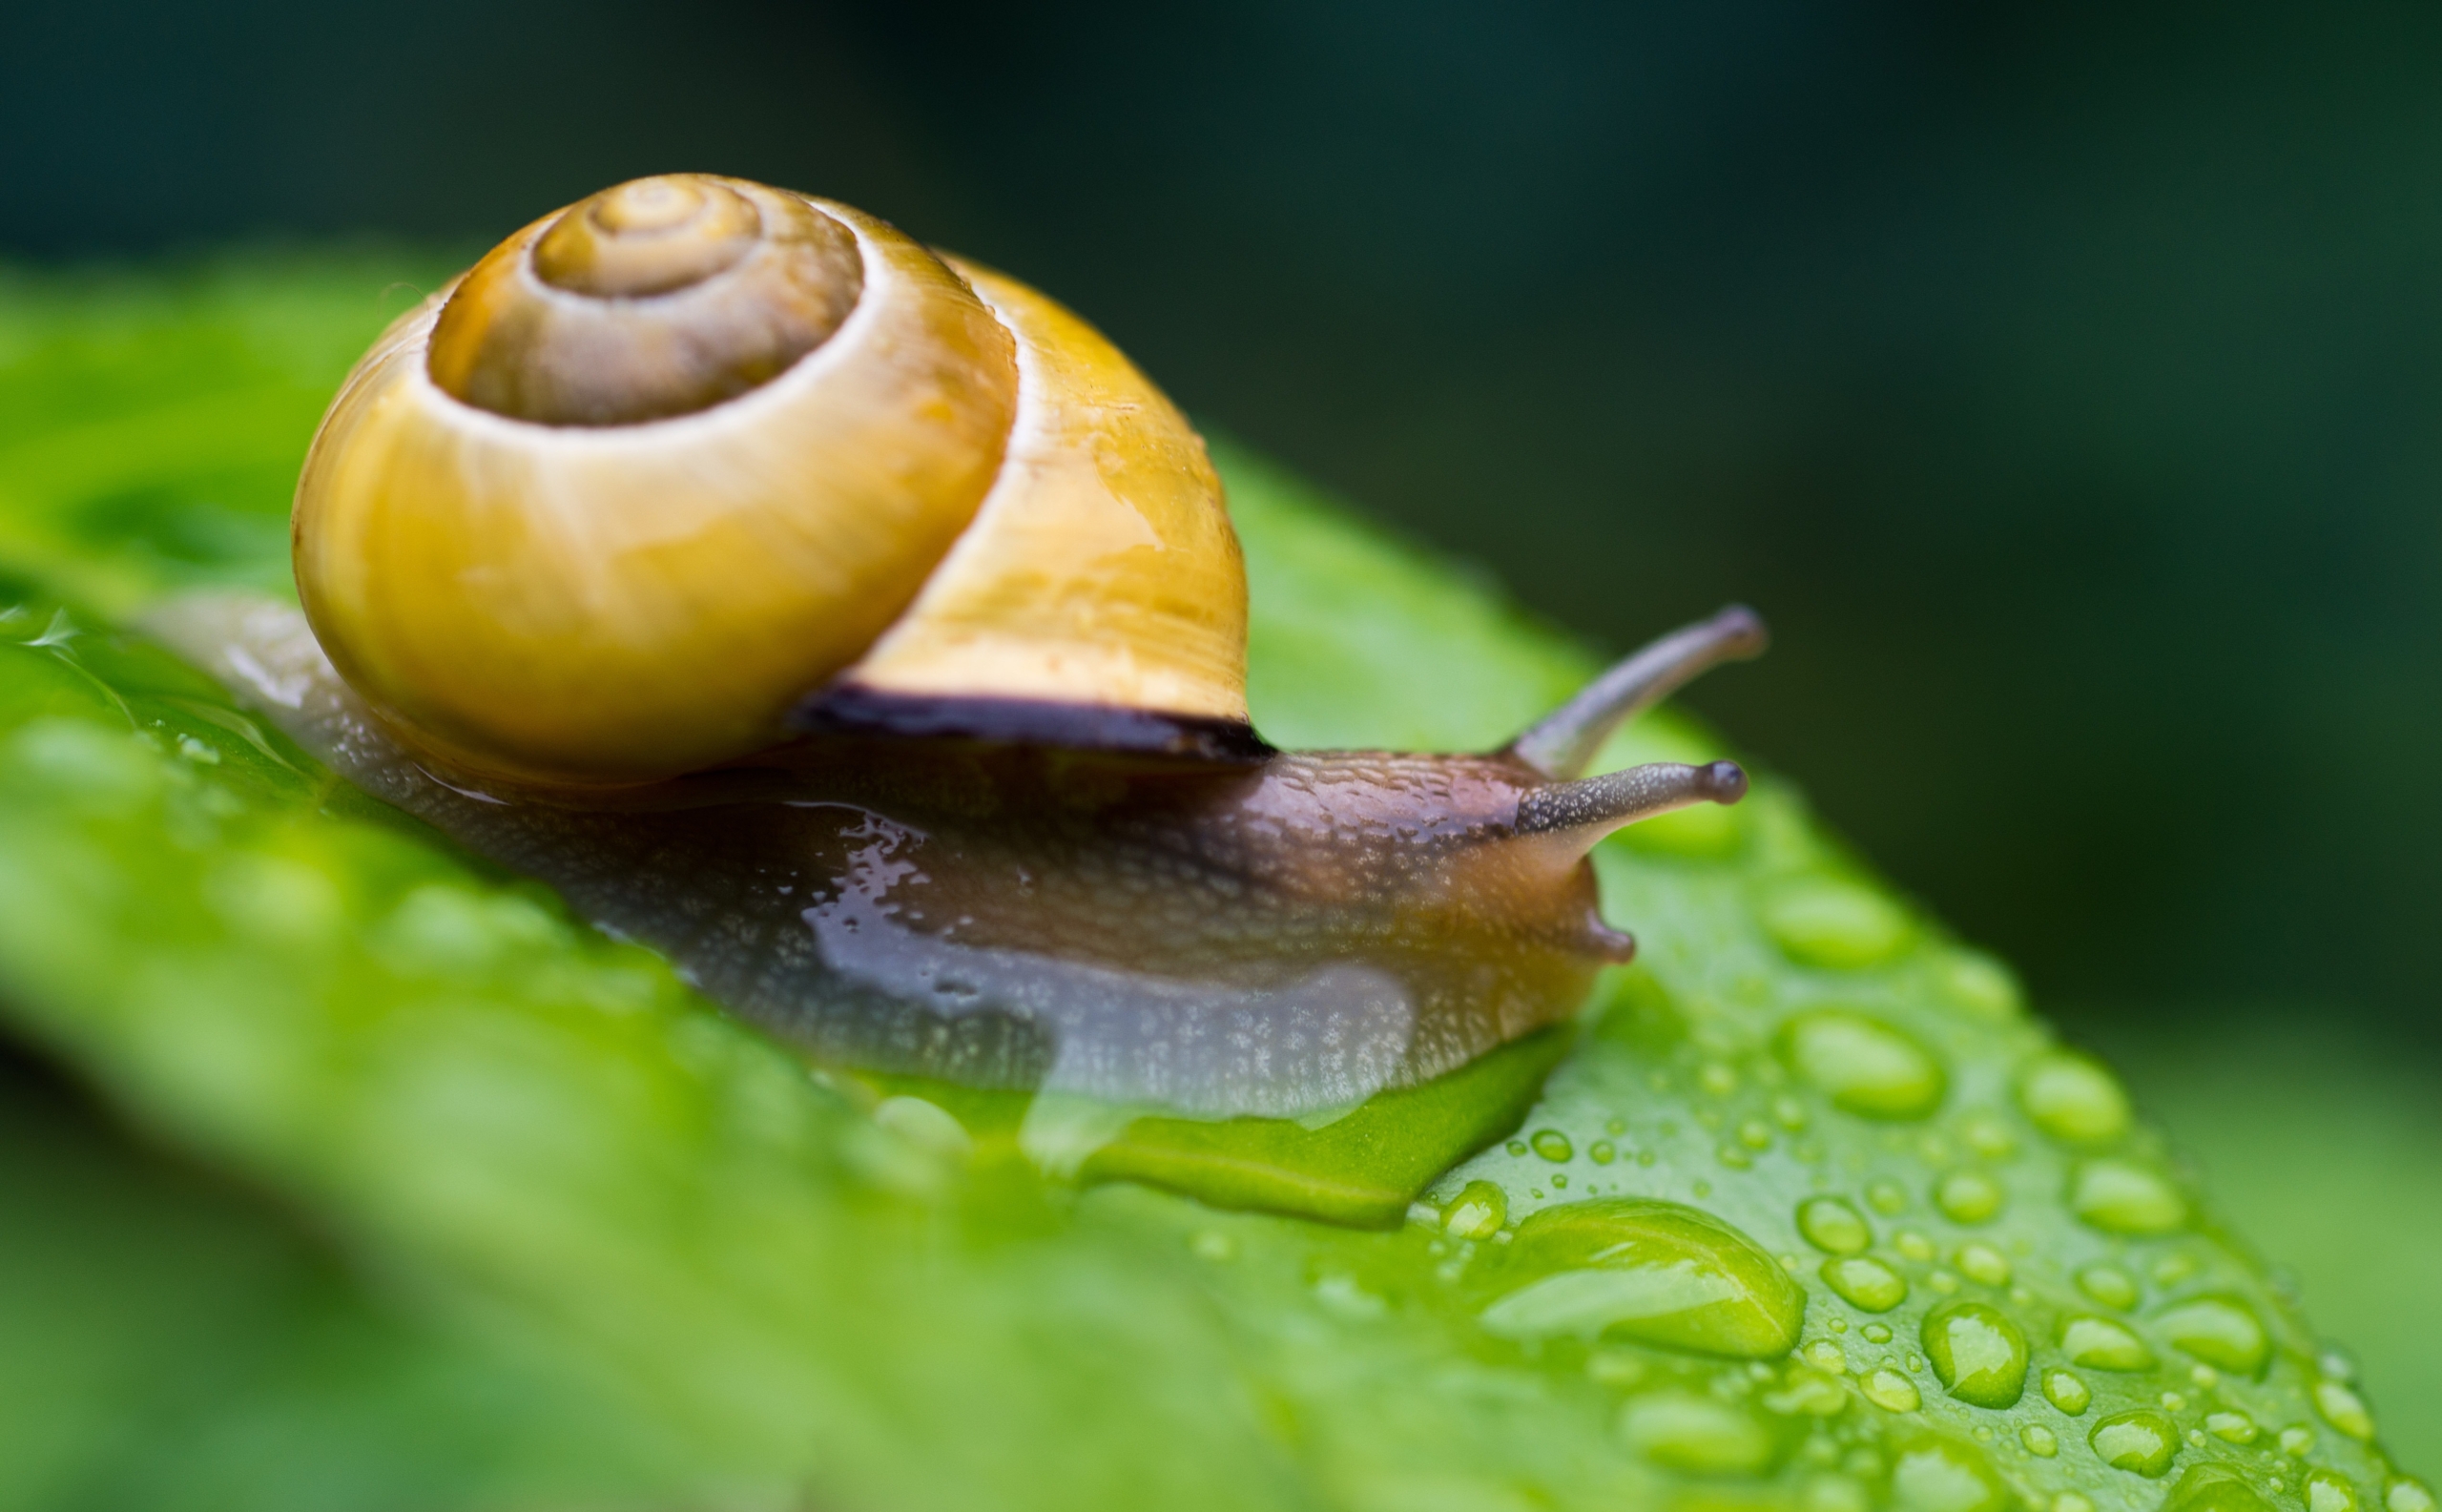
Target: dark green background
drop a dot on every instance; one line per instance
(2063, 384)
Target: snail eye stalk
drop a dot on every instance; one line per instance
(1593, 807)
(1562, 742)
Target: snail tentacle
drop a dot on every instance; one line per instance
(1565, 741)
(1592, 807)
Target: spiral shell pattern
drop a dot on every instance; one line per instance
(695, 459)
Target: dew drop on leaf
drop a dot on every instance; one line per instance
(2141, 1443)
(1865, 1283)
(1681, 1431)
(2329, 1492)
(1476, 1212)
(1652, 1272)
(2230, 1427)
(1832, 1226)
(1890, 1391)
(1825, 922)
(1981, 986)
(1979, 1353)
(2120, 1196)
(2074, 1100)
(2221, 1331)
(1969, 1196)
(2109, 1285)
(2066, 1392)
(2345, 1410)
(1864, 1065)
(1938, 1476)
(2214, 1488)
(2098, 1343)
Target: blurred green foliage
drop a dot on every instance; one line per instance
(521, 1221)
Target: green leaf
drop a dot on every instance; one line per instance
(552, 1176)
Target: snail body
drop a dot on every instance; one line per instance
(860, 629)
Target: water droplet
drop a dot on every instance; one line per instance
(2345, 1410)
(2098, 1343)
(1865, 1283)
(1823, 921)
(1755, 1134)
(1347, 1296)
(2219, 1331)
(2328, 1491)
(2073, 1099)
(1867, 1068)
(1808, 1393)
(1823, 1354)
(1969, 1196)
(1832, 1226)
(1876, 1334)
(1603, 1153)
(2040, 1440)
(2140, 1443)
(2109, 1285)
(1935, 1475)
(1890, 1391)
(1984, 1264)
(1476, 1212)
(2066, 1392)
(1652, 1272)
(1516, 1146)
(2297, 1441)
(926, 1124)
(1681, 1431)
(1552, 1144)
(2405, 1495)
(1979, 985)
(1915, 1246)
(1887, 1197)
(2120, 1197)
(1978, 1352)
(2215, 1488)
(2231, 1427)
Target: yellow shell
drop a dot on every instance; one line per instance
(695, 458)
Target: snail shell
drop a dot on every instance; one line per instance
(694, 455)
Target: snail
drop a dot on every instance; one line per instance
(856, 626)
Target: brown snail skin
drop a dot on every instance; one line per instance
(857, 627)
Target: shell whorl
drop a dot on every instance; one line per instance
(696, 458)
(655, 298)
